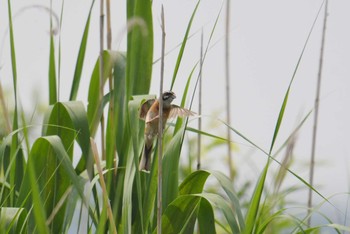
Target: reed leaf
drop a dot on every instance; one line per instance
(13, 220)
(139, 47)
(183, 45)
(80, 59)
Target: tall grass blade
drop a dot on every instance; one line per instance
(80, 59)
(94, 110)
(285, 100)
(183, 45)
(137, 143)
(52, 69)
(14, 143)
(257, 196)
(179, 121)
(139, 47)
(170, 168)
(250, 221)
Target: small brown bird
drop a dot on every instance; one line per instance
(150, 113)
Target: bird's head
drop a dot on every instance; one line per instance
(168, 97)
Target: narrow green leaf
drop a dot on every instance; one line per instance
(250, 221)
(139, 47)
(170, 168)
(194, 183)
(94, 110)
(137, 143)
(179, 213)
(285, 100)
(52, 72)
(14, 143)
(47, 178)
(69, 121)
(227, 185)
(13, 220)
(206, 220)
(179, 121)
(80, 59)
(220, 203)
(183, 45)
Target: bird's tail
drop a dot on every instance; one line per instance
(145, 163)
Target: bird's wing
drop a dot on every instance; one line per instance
(145, 107)
(177, 111)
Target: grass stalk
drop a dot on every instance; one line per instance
(59, 52)
(160, 131)
(317, 103)
(109, 27)
(110, 78)
(102, 121)
(199, 139)
(103, 186)
(228, 89)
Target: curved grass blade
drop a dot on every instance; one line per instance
(194, 183)
(285, 100)
(179, 214)
(69, 121)
(48, 176)
(251, 222)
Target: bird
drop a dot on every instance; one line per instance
(149, 112)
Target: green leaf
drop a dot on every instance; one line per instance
(49, 174)
(94, 110)
(13, 220)
(206, 220)
(194, 183)
(14, 143)
(116, 126)
(52, 72)
(170, 168)
(227, 186)
(80, 59)
(69, 121)
(180, 121)
(179, 214)
(183, 45)
(226, 208)
(139, 47)
(250, 221)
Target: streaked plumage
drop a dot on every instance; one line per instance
(149, 112)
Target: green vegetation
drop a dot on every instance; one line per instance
(42, 191)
